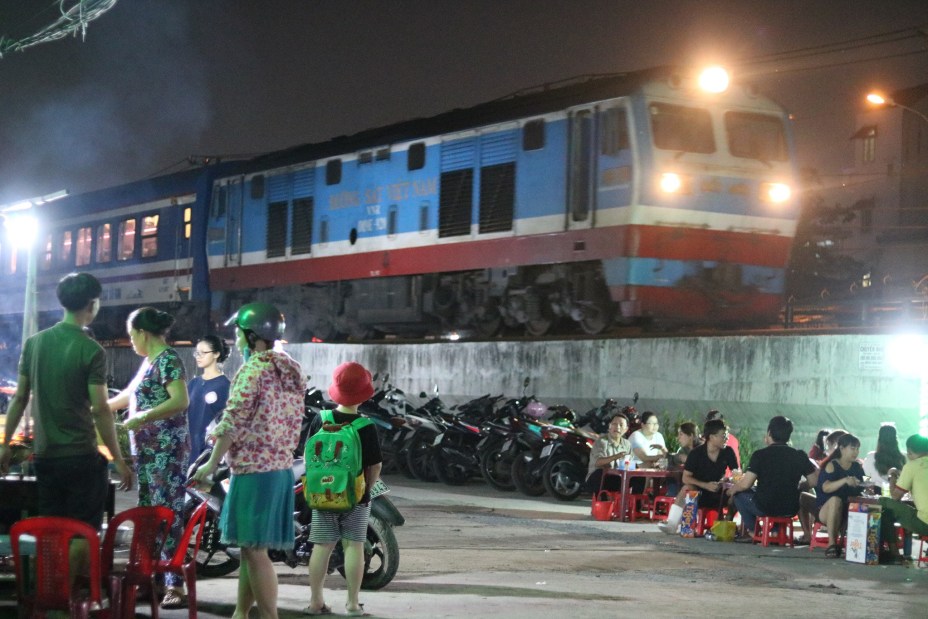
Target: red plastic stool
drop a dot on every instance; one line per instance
(821, 540)
(765, 525)
(638, 505)
(705, 518)
(664, 502)
(922, 552)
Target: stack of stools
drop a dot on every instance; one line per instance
(638, 506)
(765, 525)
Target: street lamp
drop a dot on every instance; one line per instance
(878, 99)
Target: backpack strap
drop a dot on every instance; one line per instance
(327, 416)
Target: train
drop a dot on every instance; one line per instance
(639, 197)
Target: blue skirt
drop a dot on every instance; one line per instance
(258, 511)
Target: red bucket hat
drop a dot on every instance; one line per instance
(351, 384)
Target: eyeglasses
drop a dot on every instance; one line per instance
(198, 353)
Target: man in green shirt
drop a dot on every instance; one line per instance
(65, 370)
(914, 480)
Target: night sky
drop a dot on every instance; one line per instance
(156, 82)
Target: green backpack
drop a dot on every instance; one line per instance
(334, 475)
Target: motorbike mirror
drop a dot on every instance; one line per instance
(423, 395)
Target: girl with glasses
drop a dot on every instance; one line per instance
(208, 392)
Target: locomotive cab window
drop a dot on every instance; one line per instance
(614, 131)
(682, 129)
(149, 236)
(125, 242)
(533, 135)
(415, 156)
(756, 136)
(64, 250)
(333, 172)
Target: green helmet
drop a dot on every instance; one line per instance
(262, 319)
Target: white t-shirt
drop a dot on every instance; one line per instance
(639, 441)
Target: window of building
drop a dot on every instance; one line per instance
(104, 244)
(333, 172)
(84, 246)
(415, 156)
(125, 244)
(533, 135)
(149, 236)
(64, 250)
(188, 221)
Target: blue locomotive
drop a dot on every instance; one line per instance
(634, 197)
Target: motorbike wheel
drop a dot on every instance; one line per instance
(496, 468)
(381, 555)
(419, 457)
(522, 477)
(450, 474)
(563, 478)
(214, 559)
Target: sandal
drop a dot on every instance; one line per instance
(833, 552)
(174, 598)
(356, 612)
(323, 610)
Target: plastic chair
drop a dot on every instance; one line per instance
(151, 526)
(54, 588)
(638, 505)
(178, 564)
(705, 518)
(820, 540)
(765, 524)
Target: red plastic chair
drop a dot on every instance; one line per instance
(179, 563)
(151, 526)
(53, 587)
(765, 525)
(660, 507)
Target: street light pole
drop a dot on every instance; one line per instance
(878, 99)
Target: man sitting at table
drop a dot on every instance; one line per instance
(912, 479)
(777, 469)
(607, 452)
(704, 470)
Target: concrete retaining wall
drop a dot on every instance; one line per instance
(817, 380)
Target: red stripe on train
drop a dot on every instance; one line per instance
(561, 247)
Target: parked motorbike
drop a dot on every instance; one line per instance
(454, 452)
(568, 456)
(215, 559)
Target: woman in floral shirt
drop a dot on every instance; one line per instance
(259, 430)
(157, 400)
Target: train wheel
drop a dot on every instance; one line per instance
(488, 321)
(596, 319)
(538, 327)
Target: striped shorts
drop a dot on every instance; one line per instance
(329, 527)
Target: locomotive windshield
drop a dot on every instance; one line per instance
(680, 128)
(756, 136)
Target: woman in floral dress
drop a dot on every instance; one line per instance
(157, 400)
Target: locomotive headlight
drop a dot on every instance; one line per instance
(714, 79)
(671, 182)
(776, 193)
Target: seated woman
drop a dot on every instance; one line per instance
(704, 471)
(688, 439)
(817, 452)
(841, 477)
(648, 448)
(887, 456)
(607, 452)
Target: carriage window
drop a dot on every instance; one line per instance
(614, 130)
(64, 253)
(333, 172)
(125, 248)
(755, 136)
(104, 244)
(48, 254)
(84, 246)
(533, 135)
(415, 157)
(679, 128)
(149, 236)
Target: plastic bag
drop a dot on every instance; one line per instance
(724, 530)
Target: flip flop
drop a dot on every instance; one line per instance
(357, 612)
(833, 552)
(324, 610)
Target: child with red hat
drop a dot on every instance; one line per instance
(351, 386)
